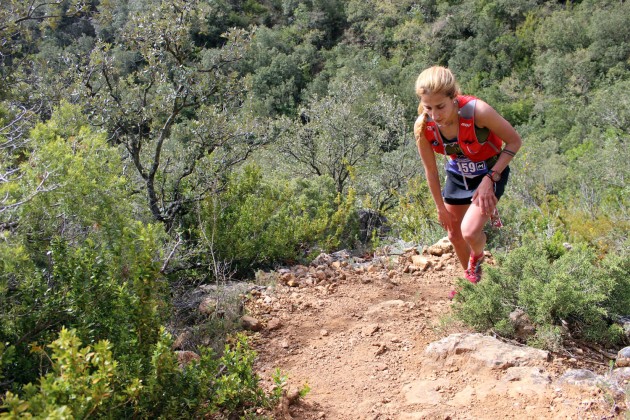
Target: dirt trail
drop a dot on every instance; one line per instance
(358, 339)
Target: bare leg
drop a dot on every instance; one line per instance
(472, 229)
(462, 249)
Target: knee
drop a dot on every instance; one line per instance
(455, 236)
(469, 234)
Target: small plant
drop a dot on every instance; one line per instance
(547, 337)
(258, 223)
(280, 382)
(88, 382)
(446, 324)
(414, 219)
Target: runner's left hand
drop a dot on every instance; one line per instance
(484, 197)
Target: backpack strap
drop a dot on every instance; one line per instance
(467, 111)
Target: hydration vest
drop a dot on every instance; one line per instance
(476, 144)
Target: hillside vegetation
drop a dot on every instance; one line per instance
(148, 147)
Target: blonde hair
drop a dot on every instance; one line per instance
(419, 127)
(437, 79)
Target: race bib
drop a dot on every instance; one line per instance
(466, 167)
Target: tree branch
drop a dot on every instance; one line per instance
(38, 190)
(170, 255)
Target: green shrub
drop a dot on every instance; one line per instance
(572, 287)
(210, 385)
(548, 337)
(75, 256)
(618, 268)
(257, 223)
(87, 382)
(81, 383)
(415, 217)
(483, 306)
(105, 288)
(77, 267)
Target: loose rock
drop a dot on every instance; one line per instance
(251, 323)
(583, 377)
(420, 262)
(441, 247)
(274, 324)
(623, 357)
(484, 350)
(208, 305)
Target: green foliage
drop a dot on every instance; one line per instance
(257, 223)
(343, 134)
(373, 23)
(576, 50)
(342, 223)
(281, 64)
(90, 266)
(7, 355)
(102, 292)
(618, 267)
(415, 217)
(71, 183)
(548, 337)
(87, 382)
(209, 385)
(483, 307)
(182, 105)
(80, 384)
(280, 382)
(77, 257)
(552, 287)
(160, 87)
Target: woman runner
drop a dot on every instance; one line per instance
(478, 144)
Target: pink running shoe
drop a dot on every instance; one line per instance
(473, 272)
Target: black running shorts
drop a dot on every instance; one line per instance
(456, 193)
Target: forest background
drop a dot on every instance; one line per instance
(149, 147)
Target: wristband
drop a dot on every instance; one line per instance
(494, 176)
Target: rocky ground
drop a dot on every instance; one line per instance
(376, 339)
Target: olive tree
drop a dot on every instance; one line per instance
(174, 105)
(341, 135)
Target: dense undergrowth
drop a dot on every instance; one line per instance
(572, 293)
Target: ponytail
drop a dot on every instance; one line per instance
(420, 126)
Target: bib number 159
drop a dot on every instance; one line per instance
(472, 168)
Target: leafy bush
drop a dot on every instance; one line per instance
(215, 385)
(103, 293)
(80, 384)
(257, 223)
(415, 217)
(88, 382)
(573, 287)
(76, 257)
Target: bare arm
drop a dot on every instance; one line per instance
(431, 171)
(486, 116)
